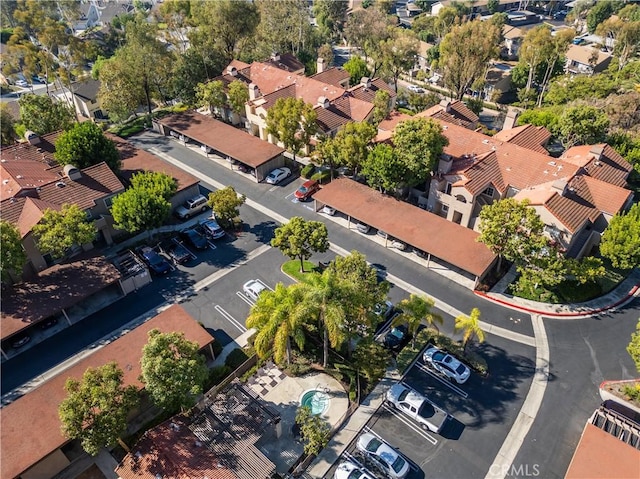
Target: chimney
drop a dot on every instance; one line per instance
(597, 151)
(559, 186)
(511, 118)
(275, 56)
(31, 137)
(233, 71)
(254, 91)
(72, 172)
(446, 104)
(323, 101)
(365, 82)
(320, 66)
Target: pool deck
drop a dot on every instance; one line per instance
(283, 393)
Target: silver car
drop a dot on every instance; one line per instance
(383, 456)
(277, 175)
(253, 288)
(348, 470)
(446, 364)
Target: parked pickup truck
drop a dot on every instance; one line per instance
(417, 407)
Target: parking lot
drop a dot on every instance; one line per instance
(482, 411)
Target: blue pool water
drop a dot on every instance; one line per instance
(317, 401)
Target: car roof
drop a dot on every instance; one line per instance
(254, 285)
(309, 183)
(412, 398)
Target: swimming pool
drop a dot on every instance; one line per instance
(316, 400)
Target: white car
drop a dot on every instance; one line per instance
(416, 89)
(22, 83)
(348, 470)
(277, 175)
(253, 288)
(446, 364)
(328, 210)
(384, 457)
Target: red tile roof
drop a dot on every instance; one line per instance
(362, 92)
(342, 111)
(229, 141)
(30, 425)
(527, 136)
(134, 160)
(453, 243)
(601, 162)
(55, 289)
(333, 76)
(285, 61)
(454, 112)
(600, 455)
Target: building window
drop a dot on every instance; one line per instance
(489, 192)
(445, 209)
(448, 188)
(108, 202)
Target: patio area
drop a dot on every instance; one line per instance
(284, 395)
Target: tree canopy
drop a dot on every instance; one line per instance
(156, 182)
(300, 238)
(40, 114)
(293, 122)
(7, 126)
(357, 68)
(173, 370)
(139, 209)
(58, 231)
(13, 257)
(226, 205)
(96, 407)
(582, 125)
(634, 346)
(621, 240)
(419, 143)
(383, 169)
(211, 94)
(85, 145)
(470, 327)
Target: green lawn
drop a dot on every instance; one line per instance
(292, 268)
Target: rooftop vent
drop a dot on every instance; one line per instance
(552, 163)
(31, 137)
(72, 172)
(323, 102)
(61, 184)
(233, 71)
(486, 142)
(365, 82)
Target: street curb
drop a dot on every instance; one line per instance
(580, 314)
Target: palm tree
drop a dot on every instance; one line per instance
(416, 309)
(470, 325)
(322, 300)
(277, 320)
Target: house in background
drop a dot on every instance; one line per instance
(32, 182)
(452, 111)
(586, 60)
(478, 7)
(513, 37)
(84, 98)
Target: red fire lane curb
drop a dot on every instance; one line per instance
(559, 315)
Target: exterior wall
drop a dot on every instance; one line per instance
(263, 170)
(33, 253)
(181, 196)
(47, 467)
(561, 233)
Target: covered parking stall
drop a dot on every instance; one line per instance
(223, 140)
(438, 238)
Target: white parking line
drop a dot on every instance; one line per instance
(273, 188)
(446, 382)
(411, 424)
(230, 318)
(211, 245)
(294, 200)
(245, 298)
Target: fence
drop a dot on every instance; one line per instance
(235, 374)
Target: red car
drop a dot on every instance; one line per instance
(308, 188)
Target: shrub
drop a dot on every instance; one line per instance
(217, 375)
(217, 348)
(632, 392)
(235, 358)
(322, 176)
(308, 170)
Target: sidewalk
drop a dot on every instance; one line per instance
(622, 294)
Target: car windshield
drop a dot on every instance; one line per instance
(154, 259)
(403, 395)
(461, 369)
(438, 356)
(355, 474)
(398, 464)
(373, 445)
(303, 189)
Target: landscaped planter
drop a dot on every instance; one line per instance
(612, 390)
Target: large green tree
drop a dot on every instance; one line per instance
(292, 122)
(83, 145)
(366, 29)
(330, 17)
(511, 229)
(383, 169)
(399, 53)
(314, 430)
(357, 68)
(300, 238)
(212, 95)
(381, 106)
(13, 257)
(173, 370)
(40, 114)
(465, 52)
(621, 240)
(419, 143)
(156, 182)
(96, 407)
(277, 319)
(634, 346)
(237, 96)
(119, 93)
(138, 209)
(226, 205)
(600, 11)
(284, 27)
(58, 231)
(582, 125)
(7, 126)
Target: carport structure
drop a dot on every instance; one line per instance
(448, 242)
(224, 140)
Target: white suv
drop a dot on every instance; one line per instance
(192, 206)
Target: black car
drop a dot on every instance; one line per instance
(176, 251)
(157, 263)
(396, 338)
(48, 323)
(195, 239)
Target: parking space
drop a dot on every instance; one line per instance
(482, 411)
